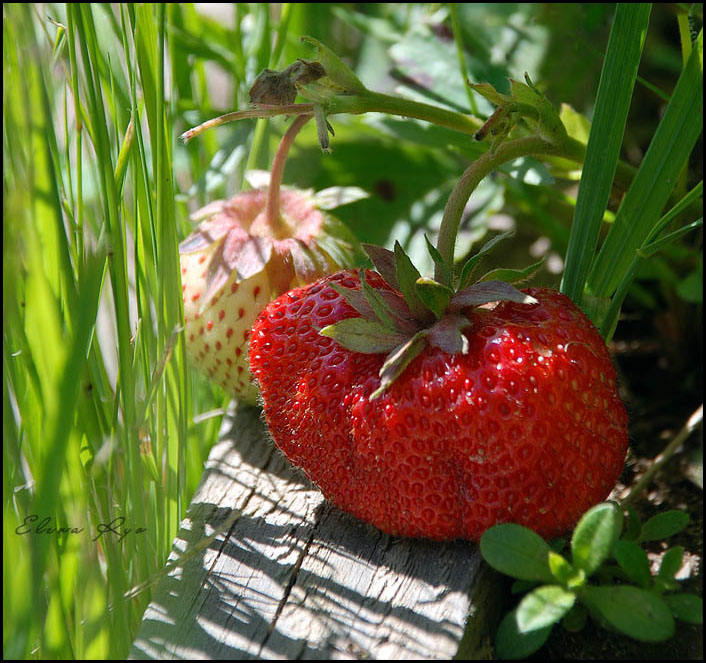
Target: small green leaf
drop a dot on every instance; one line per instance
(671, 563)
(577, 126)
(633, 560)
(398, 361)
(663, 525)
(469, 266)
(688, 608)
(636, 612)
(436, 297)
(561, 569)
(543, 607)
(356, 298)
(516, 551)
(444, 267)
(512, 643)
(446, 334)
(488, 291)
(434, 252)
(385, 263)
(377, 303)
(524, 93)
(490, 93)
(360, 335)
(407, 277)
(575, 619)
(594, 536)
(336, 70)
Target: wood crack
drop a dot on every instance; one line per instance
(290, 585)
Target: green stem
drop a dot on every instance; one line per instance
(376, 102)
(453, 212)
(695, 420)
(272, 213)
(260, 111)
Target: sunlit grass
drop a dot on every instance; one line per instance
(98, 405)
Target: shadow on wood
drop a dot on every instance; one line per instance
(294, 577)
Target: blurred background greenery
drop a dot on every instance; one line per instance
(102, 418)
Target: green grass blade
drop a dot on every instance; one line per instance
(613, 102)
(652, 243)
(642, 206)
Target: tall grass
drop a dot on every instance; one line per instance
(97, 403)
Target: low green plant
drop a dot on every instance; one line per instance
(606, 575)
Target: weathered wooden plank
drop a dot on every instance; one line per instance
(294, 577)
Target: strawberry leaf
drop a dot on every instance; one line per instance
(246, 255)
(398, 360)
(523, 93)
(436, 296)
(446, 334)
(377, 303)
(209, 232)
(361, 335)
(395, 304)
(357, 299)
(407, 277)
(471, 263)
(384, 262)
(439, 260)
(336, 70)
(485, 292)
(239, 253)
(490, 93)
(303, 261)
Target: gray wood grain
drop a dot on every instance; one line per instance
(294, 577)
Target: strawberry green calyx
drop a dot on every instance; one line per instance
(338, 75)
(405, 313)
(525, 102)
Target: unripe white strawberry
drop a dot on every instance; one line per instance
(237, 261)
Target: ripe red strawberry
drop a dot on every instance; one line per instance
(509, 414)
(235, 263)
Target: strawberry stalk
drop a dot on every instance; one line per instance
(453, 212)
(262, 110)
(272, 210)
